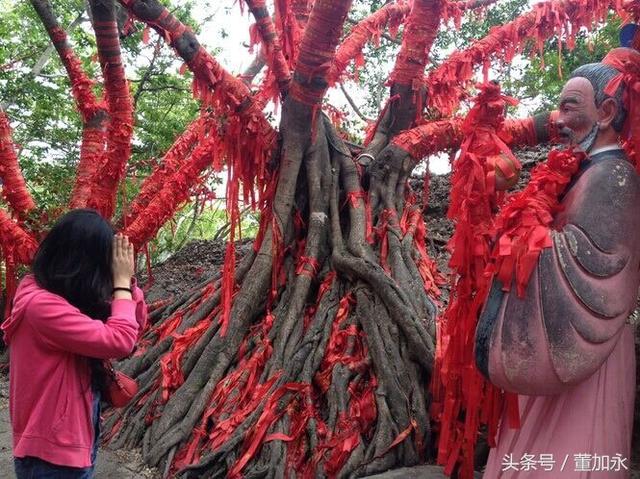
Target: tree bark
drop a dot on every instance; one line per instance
(301, 326)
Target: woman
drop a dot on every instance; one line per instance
(78, 307)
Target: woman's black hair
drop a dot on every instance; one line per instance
(74, 261)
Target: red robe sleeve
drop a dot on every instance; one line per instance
(579, 296)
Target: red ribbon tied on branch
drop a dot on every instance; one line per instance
(484, 129)
(627, 62)
(524, 223)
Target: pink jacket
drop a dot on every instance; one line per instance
(50, 397)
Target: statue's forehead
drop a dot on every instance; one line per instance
(579, 88)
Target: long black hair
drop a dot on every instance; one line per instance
(74, 261)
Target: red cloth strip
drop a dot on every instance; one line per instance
(370, 28)
(14, 188)
(435, 136)
(308, 266)
(448, 83)
(15, 241)
(627, 62)
(459, 389)
(111, 169)
(317, 50)
(175, 191)
(271, 42)
(419, 33)
(168, 165)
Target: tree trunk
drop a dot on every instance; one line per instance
(322, 362)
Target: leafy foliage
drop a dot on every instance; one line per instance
(196, 221)
(544, 77)
(47, 127)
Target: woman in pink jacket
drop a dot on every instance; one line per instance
(79, 306)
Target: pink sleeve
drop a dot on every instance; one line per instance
(62, 326)
(141, 307)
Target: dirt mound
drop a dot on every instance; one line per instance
(187, 268)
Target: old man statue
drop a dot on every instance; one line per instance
(565, 344)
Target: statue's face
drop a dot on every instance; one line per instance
(578, 112)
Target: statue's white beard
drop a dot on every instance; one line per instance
(586, 144)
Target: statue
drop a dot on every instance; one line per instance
(566, 347)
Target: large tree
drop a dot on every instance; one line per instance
(314, 354)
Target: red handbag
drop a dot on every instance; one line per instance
(120, 387)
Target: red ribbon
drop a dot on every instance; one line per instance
(14, 188)
(627, 61)
(306, 262)
(458, 387)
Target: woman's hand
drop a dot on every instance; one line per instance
(122, 264)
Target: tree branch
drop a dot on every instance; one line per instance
(318, 50)
(435, 136)
(456, 9)
(386, 36)
(271, 43)
(209, 75)
(172, 192)
(107, 176)
(14, 188)
(290, 19)
(407, 95)
(369, 28)
(252, 70)
(15, 241)
(166, 168)
(147, 74)
(353, 104)
(44, 58)
(81, 84)
(300, 10)
(93, 112)
(249, 139)
(420, 32)
(474, 4)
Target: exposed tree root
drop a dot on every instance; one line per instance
(323, 369)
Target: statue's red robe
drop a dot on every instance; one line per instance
(567, 347)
